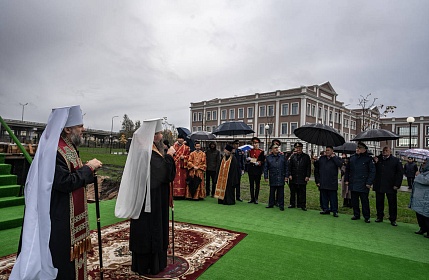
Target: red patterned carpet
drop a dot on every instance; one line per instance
(196, 248)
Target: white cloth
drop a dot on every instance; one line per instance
(134, 189)
(35, 260)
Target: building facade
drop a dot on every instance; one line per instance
(277, 114)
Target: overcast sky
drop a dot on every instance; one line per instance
(152, 59)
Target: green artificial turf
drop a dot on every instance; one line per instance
(292, 244)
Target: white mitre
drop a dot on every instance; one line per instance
(134, 190)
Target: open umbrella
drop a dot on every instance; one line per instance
(245, 148)
(376, 135)
(319, 134)
(421, 154)
(346, 148)
(202, 135)
(233, 128)
(186, 132)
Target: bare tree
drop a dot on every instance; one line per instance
(367, 104)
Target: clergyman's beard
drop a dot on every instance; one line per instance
(160, 146)
(76, 139)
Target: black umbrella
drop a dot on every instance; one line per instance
(346, 148)
(187, 133)
(376, 135)
(202, 135)
(319, 134)
(233, 128)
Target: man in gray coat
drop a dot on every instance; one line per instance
(388, 179)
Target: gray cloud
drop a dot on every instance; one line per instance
(152, 58)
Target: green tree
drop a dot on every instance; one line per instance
(127, 126)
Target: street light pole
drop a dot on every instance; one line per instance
(410, 120)
(22, 115)
(266, 136)
(111, 131)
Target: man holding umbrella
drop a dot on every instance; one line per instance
(359, 176)
(299, 175)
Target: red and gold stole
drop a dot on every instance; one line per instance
(222, 179)
(79, 224)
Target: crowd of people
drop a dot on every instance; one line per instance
(55, 236)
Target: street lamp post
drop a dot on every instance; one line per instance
(22, 115)
(410, 120)
(267, 127)
(111, 131)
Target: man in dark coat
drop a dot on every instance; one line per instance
(239, 155)
(228, 178)
(276, 170)
(212, 161)
(410, 170)
(326, 177)
(299, 174)
(359, 176)
(388, 179)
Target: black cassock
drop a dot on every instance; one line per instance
(149, 233)
(233, 180)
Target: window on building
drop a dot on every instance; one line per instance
(270, 110)
(294, 108)
(209, 129)
(330, 116)
(249, 112)
(194, 128)
(405, 142)
(262, 111)
(313, 110)
(231, 114)
(240, 112)
(308, 112)
(271, 129)
(223, 115)
(325, 116)
(346, 123)
(353, 124)
(194, 117)
(427, 130)
(261, 130)
(293, 126)
(208, 116)
(336, 117)
(285, 109)
(200, 116)
(283, 130)
(213, 128)
(199, 128)
(214, 115)
(427, 142)
(405, 131)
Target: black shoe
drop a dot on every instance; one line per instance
(335, 214)
(393, 223)
(239, 199)
(367, 221)
(269, 206)
(251, 201)
(291, 206)
(355, 218)
(282, 209)
(304, 209)
(324, 212)
(379, 220)
(256, 202)
(420, 231)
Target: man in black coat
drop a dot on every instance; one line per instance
(212, 160)
(326, 177)
(239, 155)
(410, 170)
(299, 174)
(359, 176)
(388, 179)
(276, 170)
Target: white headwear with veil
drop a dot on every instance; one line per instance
(35, 260)
(134, 190)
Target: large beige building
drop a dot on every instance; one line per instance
(280, 111)
(276, 114)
